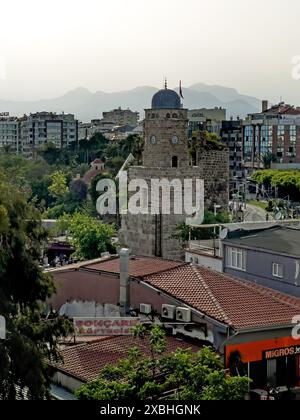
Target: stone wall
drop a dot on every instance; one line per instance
(152, 234)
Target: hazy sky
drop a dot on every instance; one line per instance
(49, 47)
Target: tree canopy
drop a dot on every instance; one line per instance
(287, 182)
(179, 375)
(24, 288)
(88, 235)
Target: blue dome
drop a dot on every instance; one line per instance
(166, 99)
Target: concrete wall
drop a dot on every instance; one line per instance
(259, 270)
(84, 286)
(202, 260)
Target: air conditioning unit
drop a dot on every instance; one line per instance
(145, 308)
(168, 311)
(183, 314)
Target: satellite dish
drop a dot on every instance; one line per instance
(278, 216)
(2, 328)
(224, 233)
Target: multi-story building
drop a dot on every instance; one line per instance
(276, 131)
(9, 133)
(231, 135)
(121, 116)
(206, 119)
(269, 257)
(47, 127)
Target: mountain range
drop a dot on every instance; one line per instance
(87, 105)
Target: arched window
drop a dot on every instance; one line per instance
(174, 116)
(168, 115)
(153, 115)
(174, 162)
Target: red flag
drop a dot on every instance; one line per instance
(180, 90)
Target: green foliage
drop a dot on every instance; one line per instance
(202, 141)
(58, 187)
(182, 230)
(88, 235)
(182, 375)
(24, 289)
(267, 159)
(286, 181)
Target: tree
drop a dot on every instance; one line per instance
(24, 288)
(267, 159)
(182, 231)
(286, 182)
(88, 235)
(58, 187)
(179, 375)
(78, 191)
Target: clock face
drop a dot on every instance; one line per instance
(153, 140)
(175, 139)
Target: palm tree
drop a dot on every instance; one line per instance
(267, 159)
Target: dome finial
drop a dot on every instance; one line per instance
(166, 83)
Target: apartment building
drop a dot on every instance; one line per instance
(276, 130)
(206, 119)
(41, 128)
(121, 116)
(231, 135)
(9, 133)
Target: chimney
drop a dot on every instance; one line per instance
(264, 105)
(124, 281)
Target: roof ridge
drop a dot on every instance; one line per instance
(180, 265)
(210, 292)
(265, 291)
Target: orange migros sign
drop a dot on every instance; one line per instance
(282, 352)
(255, 351)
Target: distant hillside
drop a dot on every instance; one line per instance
(87, 105)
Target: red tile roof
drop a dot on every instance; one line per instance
(283, 108)
(84, 361)
(238, 303)
(138, 266)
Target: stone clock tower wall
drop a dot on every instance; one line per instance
(166, 156)
(165, 134)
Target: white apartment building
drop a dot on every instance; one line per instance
(47, 127)
(9, 133)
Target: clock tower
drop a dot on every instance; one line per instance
(166, 158)
(165, 132)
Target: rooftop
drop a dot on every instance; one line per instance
(84, 361)
(138, 266)
(238, 303)
(282, 109)
(280, 239)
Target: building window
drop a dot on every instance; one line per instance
(236, 258)
(277, 270)
(248, 143)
